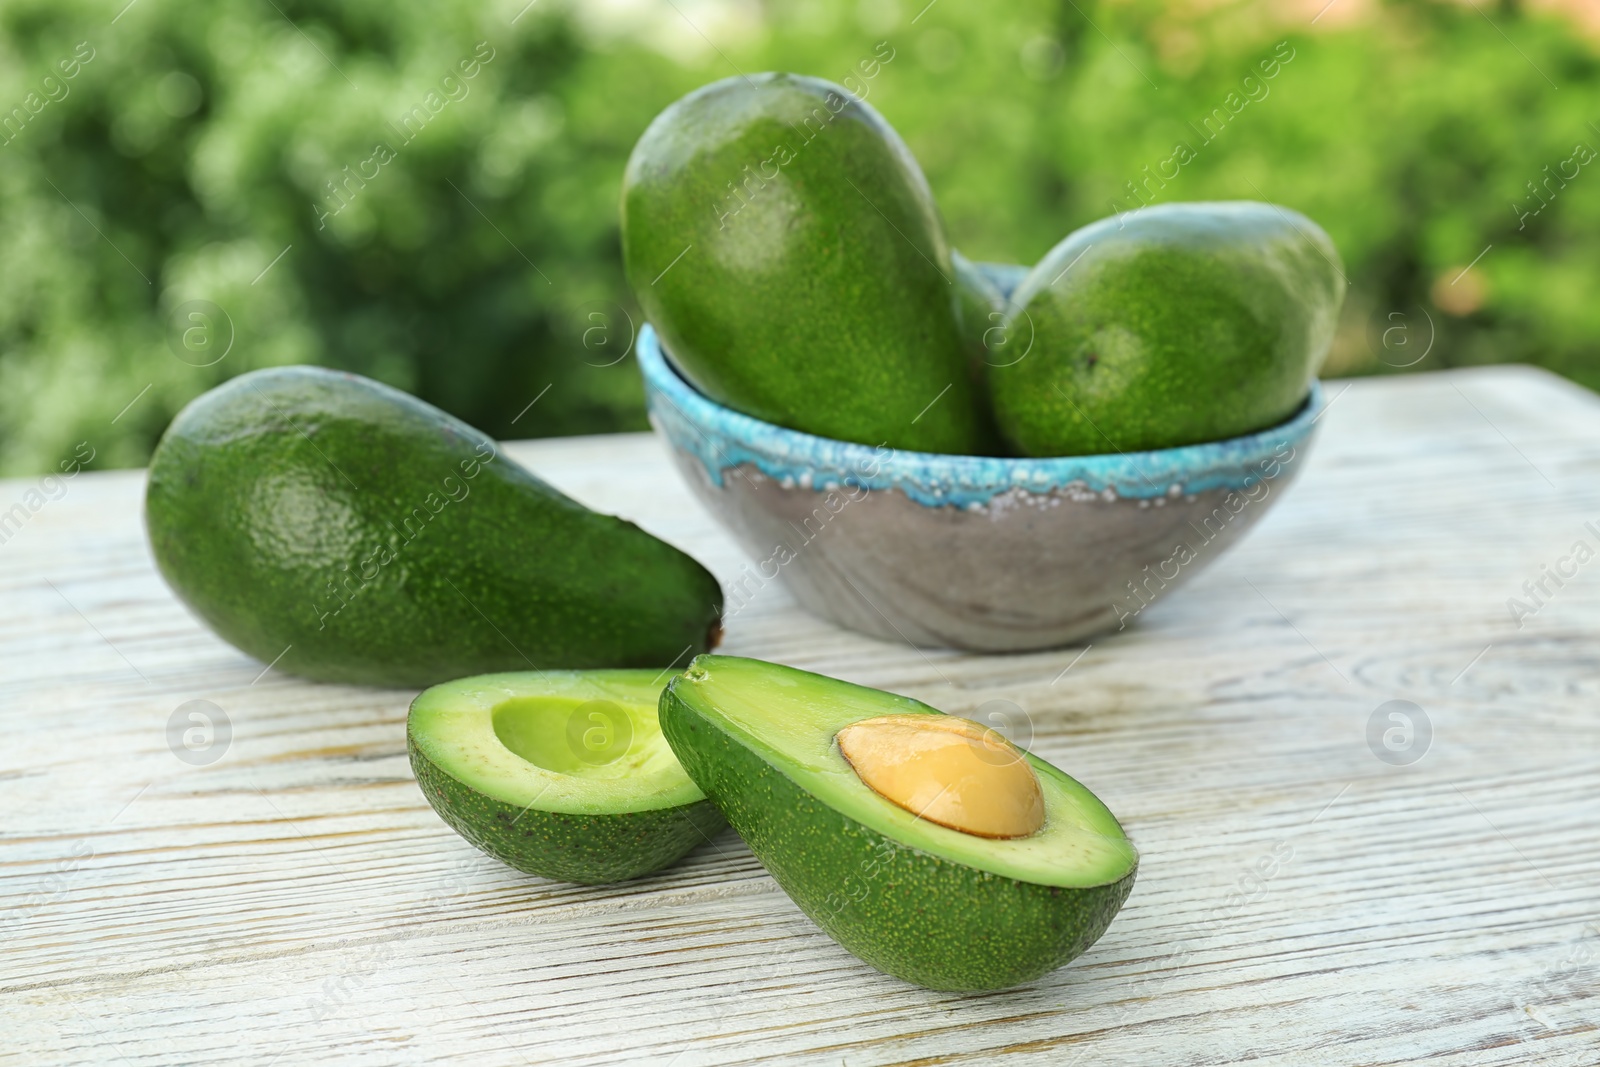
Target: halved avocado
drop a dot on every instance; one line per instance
(935, 905)
(564, 774)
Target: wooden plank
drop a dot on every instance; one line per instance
(1299, 902)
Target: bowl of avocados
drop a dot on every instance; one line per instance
(983, 456)
(983, 553)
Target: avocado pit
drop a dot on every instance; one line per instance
(947, 770)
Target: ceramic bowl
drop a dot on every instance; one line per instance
(973, 552)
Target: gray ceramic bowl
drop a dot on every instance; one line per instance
(974, 552)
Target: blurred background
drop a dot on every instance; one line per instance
(191, 190)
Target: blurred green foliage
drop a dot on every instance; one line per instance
(188, 159)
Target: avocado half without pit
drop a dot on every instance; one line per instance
(926, 844)
(563, 774)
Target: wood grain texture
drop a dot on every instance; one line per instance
(1300, 902)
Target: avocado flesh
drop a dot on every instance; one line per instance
(1172, 325)
(563, 774)
(347, 532)
(926, 903)
(783, 242)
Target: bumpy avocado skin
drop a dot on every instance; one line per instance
(1180, 323)
(351, 533)
(587, 849)
(786, 246)
(980, 306)
(980, 310)
(913, 915)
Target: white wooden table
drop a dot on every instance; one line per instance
(296, 901)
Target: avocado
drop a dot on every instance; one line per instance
(919, 849)
(563, 774)
(980, 311)
(1170, 325)
(347, 532)
(1004, 277)
(783, 242)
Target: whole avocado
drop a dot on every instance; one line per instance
(980, 309)
(1168, 326)
(980, 313)
(785, 245)
(347, 532)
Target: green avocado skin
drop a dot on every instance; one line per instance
(348, 532)
(587, 849)
(923, 919)
(980, 311)
(1171, 325)
(785, 245)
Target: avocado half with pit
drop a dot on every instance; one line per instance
(924, 843)
(563, 774)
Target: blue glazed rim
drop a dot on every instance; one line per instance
(721, 438)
